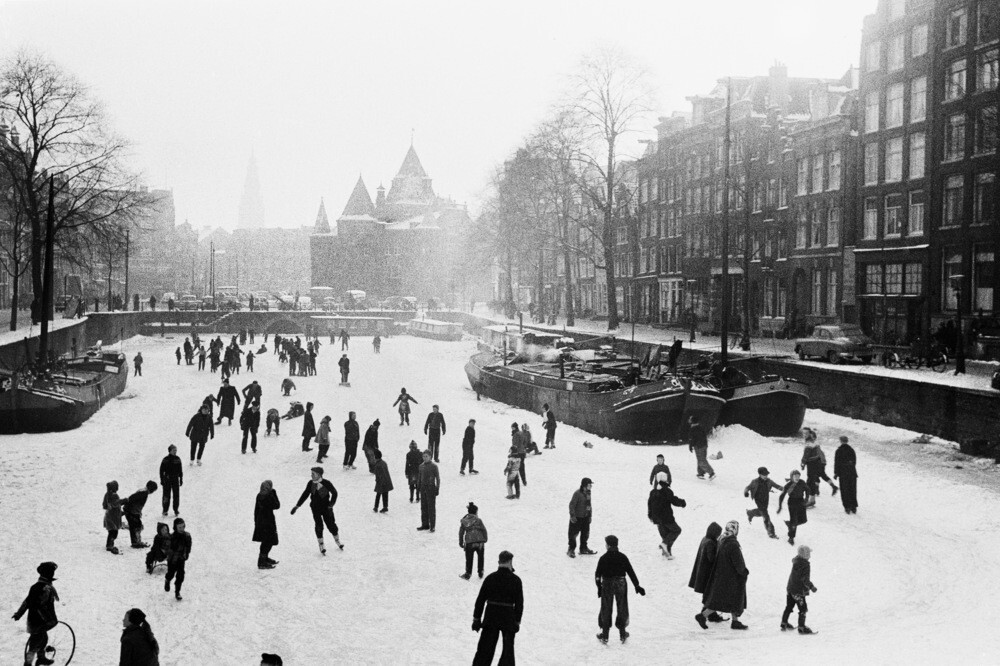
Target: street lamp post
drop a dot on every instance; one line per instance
(690, 284)
(956, 284)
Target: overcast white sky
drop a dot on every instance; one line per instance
(323, 91)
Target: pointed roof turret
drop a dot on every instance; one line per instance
(360, 203)
(411, 165)
(322, 221)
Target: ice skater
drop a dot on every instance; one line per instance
(814, 464)
(502, 598)
(701, 573)
(322, 497)
(273, 420)
(727, 586)
(180, 550)
(132, 508)
(798, 494)
(511, 472)
(472, 537)
(287, 386)
(265, 528)
(323, 438)
(370, 445)
(308, 427)
(660, 510)
(698, 442)
(228, 398)
(468, 443)
(403, 400)
(580, 514)
(798, 588)
(612, 589)
(412, 470)
(345, 368)
(352, 433)
(383, 483)
(760, 490)
(434, 427)
(430, 485)
(40, 605)
(845, 462)
(199, 430)
(112, 505)
(550, 427)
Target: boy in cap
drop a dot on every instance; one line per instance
(472, 537)
(322, 496)
(502, 599)
(611, 587)
(799, 586)
(760, 490)
(40, 604)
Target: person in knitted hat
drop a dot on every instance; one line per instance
(727, 587)
(799, 586)
(139, 646)
(760, 490)
(40, 605)
(472, 538)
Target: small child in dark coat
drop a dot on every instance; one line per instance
(161, 545)
(799, 586)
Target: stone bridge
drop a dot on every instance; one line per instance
(319, 322)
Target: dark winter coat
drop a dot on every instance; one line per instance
(435, 421)
(813, 459)
(250, 420)
(657, 468)
(413, 461)
(550, 421)
(845, 462)
(614, 564)
(797, 492)
(429, 478)
(383, 483)
(161, 542)
(352, 432)
(502, 598)
(579, 505)
(250, 392)
(371, 438)
(112, 511)
(727, 589)
(321, 497)
(40, 604)
(135, 503)
(661, 503)
(171, 469)
(704, 562)
(760, 490)
(308, 425)
(200, 428)
(799, 584)
(471, 530)
(469, 439)
(697, 438)
(228, 398)
(180, 547)
(345, 364)
(265, 529)
(137, 650)
(404, 401)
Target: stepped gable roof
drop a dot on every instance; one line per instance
(360, 204)
(411, 165)
(322, 225)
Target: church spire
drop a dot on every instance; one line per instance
(322, 221)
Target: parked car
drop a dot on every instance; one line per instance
(837, 343)
(188, 302)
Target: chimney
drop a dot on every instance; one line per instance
(778, 87)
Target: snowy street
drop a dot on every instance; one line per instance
(910, 579)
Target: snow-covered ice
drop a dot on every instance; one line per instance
(910, 579)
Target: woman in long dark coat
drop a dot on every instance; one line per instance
(727, 588)
(702, 571)
(265, 529)
(845, 463)
(383, 482)
(228, 398)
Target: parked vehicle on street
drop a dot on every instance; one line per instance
(188, 302)
(837, 343)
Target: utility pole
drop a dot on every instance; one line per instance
(726, 146)
(127, 240)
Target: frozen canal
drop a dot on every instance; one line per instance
(911, 578)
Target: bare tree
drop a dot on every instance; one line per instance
(60, 131)
(15, 243)
(609, 96)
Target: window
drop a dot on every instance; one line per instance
(782, 193)
(915, 218)
(871, 112)
(801, 230)
(893, 215)
(873, 56)
(986, 71)
(871, 218)
(758, 197)
(988, 21)
(816, 220)
(913, 278)
(954, 137)
(894, 160)
(954, 80)
(817, 292)
(833, 227)
(918, 40)
(817, 173)
(955, 27)
(984, 203)
(986, 131)
(982, 279)
(918, 147)
(894, 278)
(895, 55)
(833, 183)
(803, 185)
(952, 266)
(873, 279)
(772, 192)
(871, 163)
(954, 191)
(918, 99)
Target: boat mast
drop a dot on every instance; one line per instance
(43, 342)
(726, 145)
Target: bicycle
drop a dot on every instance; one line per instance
(937, 360)
(61, 646)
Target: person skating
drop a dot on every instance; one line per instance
(404, 401)
(612, 567)
(412, 470)
(501, 597)
(434, 427)
(252, 392)
(265, 528)
(308, 427)
(202, 355)
(523, 444)
(199, 430)
(511, 471)
(273, 419)
(287, 385)
(161, 546)
(352, 433)
(550, 427)
(727, 587)
(701, 573)
(468, 442)
(228, 398)
(760, 490)
(345, 368)
(345, 340)
(660, 507)
(322, 497)
(698, 442)
(814, 464)
(250, 424)
(40, 605)
(112, 505)
(377, 344)
(139, 646)
(180, 550)
(177, 353)
(580, 514)
(370, 445)
(137, 365)
(472, 537)
(323, 438)
(383, 483)
(660, 466)
(132, 508)
(845, 462)
(249, 360)
(798, 495)
(430, 485)
(798, 588)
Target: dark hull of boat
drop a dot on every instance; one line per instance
(653, 412)
(773, 408)
(64, 403)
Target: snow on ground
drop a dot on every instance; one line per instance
(29, 330)
(909, 579)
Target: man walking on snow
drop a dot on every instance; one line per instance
(430, 485)
(502, 599)
(550, 427)
(580, 513)
(698, 442)
(434, 427)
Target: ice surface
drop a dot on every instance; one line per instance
(912, 578)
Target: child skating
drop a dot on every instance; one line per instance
(799, 586)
